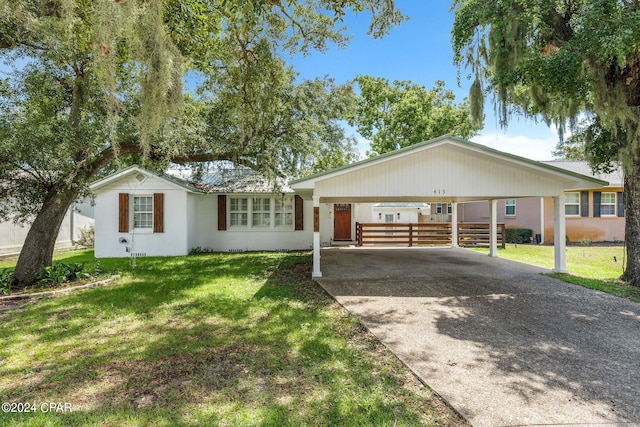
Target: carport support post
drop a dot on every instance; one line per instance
(316, 237)
(493, 228)
(559, 235)
(454, 225)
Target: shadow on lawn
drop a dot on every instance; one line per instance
(191, 342)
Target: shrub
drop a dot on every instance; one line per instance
(518, 235)
(585, 242)
(61, 273)
(87, 237)
(5, 281)
(198, 250)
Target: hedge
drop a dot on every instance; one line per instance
(518, 235)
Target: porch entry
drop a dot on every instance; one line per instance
(342, 221)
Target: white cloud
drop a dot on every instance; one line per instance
(534, 148)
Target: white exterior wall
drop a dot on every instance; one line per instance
(248, 239)
(428, 175)
(407, 214)
(144, 242)
(12, 236)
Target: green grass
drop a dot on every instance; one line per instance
(224, 339)
(594, 267)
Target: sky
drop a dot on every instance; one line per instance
(420, 50)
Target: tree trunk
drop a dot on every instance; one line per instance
(37, 251)
(632, 224)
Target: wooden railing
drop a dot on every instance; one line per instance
(428, 233)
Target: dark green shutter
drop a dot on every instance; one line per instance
(620, 204)
(584, 204)
(596, 203)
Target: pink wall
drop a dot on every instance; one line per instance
(604, 228)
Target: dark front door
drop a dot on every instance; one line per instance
(341, 221)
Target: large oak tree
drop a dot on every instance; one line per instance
(560, 59)
(94, 81)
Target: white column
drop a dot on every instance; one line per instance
(454, 224)
(559, 235)
(541, 219)
(316, 237)
(493, 228)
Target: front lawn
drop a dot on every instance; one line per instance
(224, 339)
(594, 267)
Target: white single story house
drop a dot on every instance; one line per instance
(143, 213)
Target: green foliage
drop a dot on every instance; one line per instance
(197, 250)
(558, 60)
(257, 113)
(404, 113)
(5, 281)
(87, 237)
(59, 273)
(518, 235)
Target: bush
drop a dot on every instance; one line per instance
(5, 281)
(61, 273)
(87, 237)
(198, 250)
(518, 235)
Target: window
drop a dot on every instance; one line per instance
(142, 212)
(284, 212)
(261, 212)
(608, 204)
(239, 212)
(510, 207)
(441, 206)
(572, 204)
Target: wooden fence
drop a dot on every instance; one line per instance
(426, 233)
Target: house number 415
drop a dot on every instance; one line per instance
(439, 191)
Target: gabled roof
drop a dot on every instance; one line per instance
(444, 140)
(615, 178)
(444, 169)
(236, 180)
(172, 180)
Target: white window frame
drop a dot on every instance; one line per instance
(439, 208)
(611, 204)
(148, 224)
(261, 217)
(283, 212)
(509, 203)
(572, 203)
(238, 212)
(280, 214)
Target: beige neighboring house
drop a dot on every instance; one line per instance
(595, 214)
(79, 217)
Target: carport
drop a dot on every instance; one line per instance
(444, 170)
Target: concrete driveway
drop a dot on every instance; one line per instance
(502, 343)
